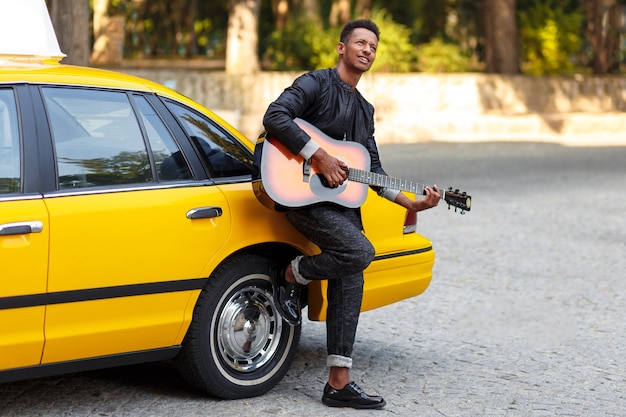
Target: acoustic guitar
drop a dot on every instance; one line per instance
(290, 181)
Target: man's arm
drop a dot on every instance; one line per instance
(431, 199)
(278, 121)
(292, 103)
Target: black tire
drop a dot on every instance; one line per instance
(218, 356)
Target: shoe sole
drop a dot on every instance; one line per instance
(346, 404)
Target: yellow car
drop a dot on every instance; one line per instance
(130, 232)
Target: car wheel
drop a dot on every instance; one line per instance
(237, 345)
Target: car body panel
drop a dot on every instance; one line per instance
(104, 240)
(109, 326)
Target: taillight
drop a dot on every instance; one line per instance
(410, 222)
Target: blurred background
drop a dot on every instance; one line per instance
(554, 37)
(520, 69)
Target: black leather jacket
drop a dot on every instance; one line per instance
(324, 100)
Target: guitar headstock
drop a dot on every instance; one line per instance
(457, 199)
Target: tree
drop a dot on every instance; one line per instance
(71, 20)
(108, 34)
(242, 36)
(281, 11)
(500, 28)
(603, 24)
(339, 12)
(549, 37)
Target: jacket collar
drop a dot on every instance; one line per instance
(341, 82)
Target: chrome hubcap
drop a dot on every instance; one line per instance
(249, 329)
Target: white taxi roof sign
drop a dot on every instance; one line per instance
(26, 32)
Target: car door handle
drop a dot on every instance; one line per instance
(204, 213)
(21, 228)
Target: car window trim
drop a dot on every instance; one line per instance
(223, 130)
(198, 169)
(29, 149)
(144, 133)
(125, 189)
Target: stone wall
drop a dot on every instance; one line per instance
(421, 107)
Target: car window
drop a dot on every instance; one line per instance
(9, 143)
(168, 158)
(222, 153)
(97, 138)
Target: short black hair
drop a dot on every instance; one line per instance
(355, 24)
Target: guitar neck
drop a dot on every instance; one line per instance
(380, 180)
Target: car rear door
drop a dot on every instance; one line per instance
(133, 224)
(24, 232)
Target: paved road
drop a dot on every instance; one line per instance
(524, 317)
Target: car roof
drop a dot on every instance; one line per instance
(15, 72)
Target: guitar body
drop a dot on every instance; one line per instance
(284, 182)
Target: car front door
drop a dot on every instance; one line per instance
(131, 228)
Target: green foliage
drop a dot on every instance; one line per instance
(438, 56)
(324, 48)
(290, 48)
(395, 52)
(550, 36)
(302, 45)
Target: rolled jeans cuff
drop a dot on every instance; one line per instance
(339, 361)
(295, 267)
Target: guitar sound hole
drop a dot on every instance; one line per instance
(323, 180)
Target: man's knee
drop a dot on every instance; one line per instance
(362, 257)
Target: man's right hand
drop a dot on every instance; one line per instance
(334, 170)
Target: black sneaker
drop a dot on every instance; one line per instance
(286, 297)
(351, 396)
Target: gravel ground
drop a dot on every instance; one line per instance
(524, 316)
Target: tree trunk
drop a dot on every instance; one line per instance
(192, 48)
(603, 32)
(71, 20)
(501, 47)
(281, 10)
(311, 10)
(339, 13)
(614, 23)
(108, 33)
(242, 36)
(363, 9)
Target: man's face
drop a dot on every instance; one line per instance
(359, 50)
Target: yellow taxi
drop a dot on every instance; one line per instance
(130, 232)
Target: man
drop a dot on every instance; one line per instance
(329, 100)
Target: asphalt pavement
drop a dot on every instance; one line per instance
(524, 316)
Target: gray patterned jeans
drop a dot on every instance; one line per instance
(345, 253)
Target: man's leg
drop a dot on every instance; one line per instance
(345, 253)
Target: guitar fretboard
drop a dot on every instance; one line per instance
(380, 180)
